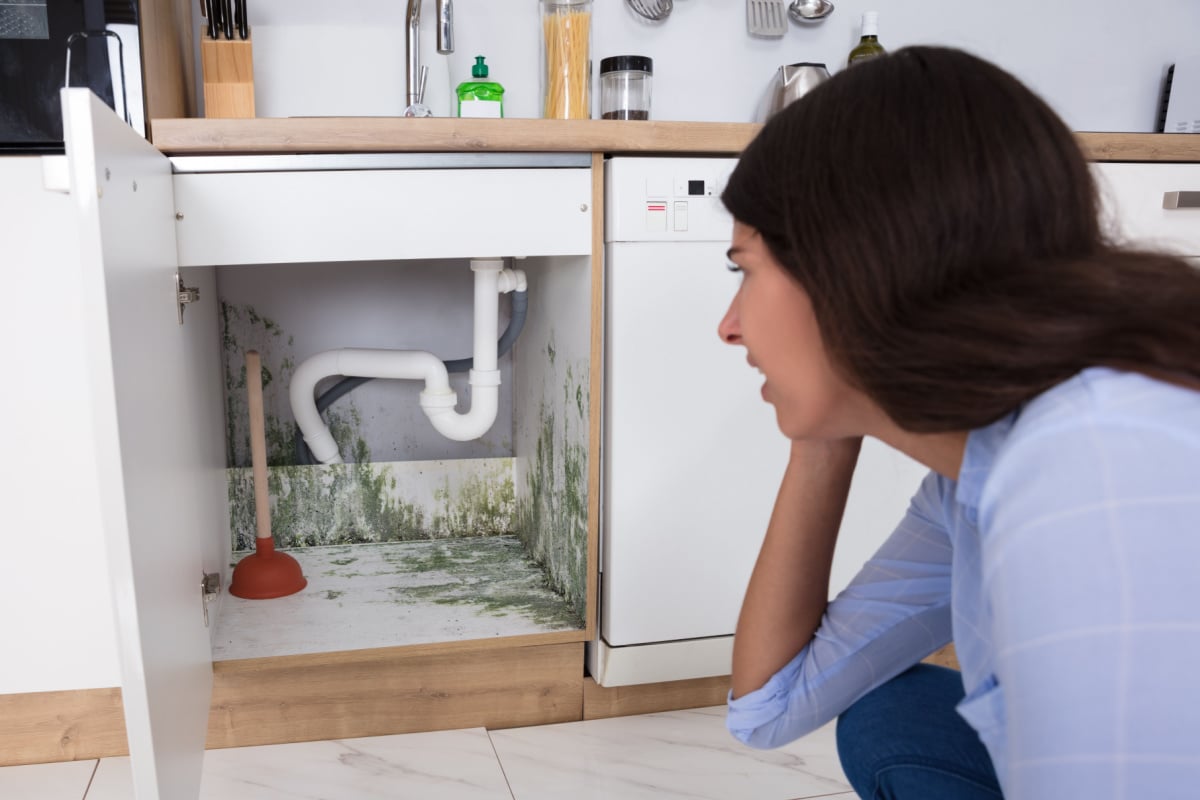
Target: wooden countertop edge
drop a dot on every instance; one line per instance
(440, 134)
(397, 134)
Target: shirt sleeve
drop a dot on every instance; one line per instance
(1090, 547)
(895, 612)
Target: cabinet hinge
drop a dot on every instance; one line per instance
(184, 295)
(210, 587)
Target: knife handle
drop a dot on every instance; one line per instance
(210, 15)
(243, 24)
(227, 14)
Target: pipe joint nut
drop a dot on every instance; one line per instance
(484, 377)
(435, 399)
(512, 280)
(487, 264)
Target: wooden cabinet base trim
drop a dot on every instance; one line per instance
(333, 696)
(265, 703)
(600, 702)
(39, 727)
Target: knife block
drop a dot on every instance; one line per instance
(228, 69)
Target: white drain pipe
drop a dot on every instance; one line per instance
(437, 399)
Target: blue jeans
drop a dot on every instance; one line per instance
(904, 741)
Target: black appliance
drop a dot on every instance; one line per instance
(34, 36)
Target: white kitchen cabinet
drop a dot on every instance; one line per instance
(1141, 204)
(154, 364)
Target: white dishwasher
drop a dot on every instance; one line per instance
(692, 456)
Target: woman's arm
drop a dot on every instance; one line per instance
(895, 612)
(789, 587)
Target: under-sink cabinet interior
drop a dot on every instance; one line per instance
(412, 537)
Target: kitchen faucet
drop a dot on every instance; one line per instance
(414, 73)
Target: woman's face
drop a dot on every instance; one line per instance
(771, 317)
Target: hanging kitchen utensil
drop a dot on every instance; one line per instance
(653, 10)
(766, 18)
(265, 573)
(809, 12)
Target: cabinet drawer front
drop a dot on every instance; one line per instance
(1133, 202)
(367, 215)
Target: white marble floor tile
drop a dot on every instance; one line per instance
(443, 765)
(684, 754)
(67, 780)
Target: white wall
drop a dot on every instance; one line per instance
(56, 626)
(1098, 62)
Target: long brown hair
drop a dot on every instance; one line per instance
(945, 225)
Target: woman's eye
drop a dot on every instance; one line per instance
(732, 267)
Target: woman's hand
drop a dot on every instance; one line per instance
(789, 587)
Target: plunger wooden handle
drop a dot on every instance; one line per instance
(258, 453)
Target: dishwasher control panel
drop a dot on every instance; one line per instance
(666, 199)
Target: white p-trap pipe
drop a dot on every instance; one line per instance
(437, 399)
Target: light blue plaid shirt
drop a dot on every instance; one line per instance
(1065, 565)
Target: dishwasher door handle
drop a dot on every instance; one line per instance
(1181, 199)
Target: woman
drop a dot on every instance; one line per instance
(922, 262)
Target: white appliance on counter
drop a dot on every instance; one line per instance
(692, 456)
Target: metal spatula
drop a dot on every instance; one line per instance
(766, 18)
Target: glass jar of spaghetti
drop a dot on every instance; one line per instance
(566, 59)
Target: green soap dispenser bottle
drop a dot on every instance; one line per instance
(480, 97)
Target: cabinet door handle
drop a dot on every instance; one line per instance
(1181, 199)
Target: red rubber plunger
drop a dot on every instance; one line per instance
(265, 573)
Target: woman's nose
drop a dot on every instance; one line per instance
(730, 329)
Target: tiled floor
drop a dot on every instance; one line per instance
(677, 754)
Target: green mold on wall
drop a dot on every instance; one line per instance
(320, 505)
(552, 517)
(242, 329)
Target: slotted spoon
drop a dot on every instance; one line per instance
(653, 10)
(766, 18)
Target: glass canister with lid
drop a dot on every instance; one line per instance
(566, 59)
(625, 87)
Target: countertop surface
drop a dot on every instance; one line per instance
(441, 134)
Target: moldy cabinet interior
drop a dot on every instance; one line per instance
(157, 363)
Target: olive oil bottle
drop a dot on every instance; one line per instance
(868, 46)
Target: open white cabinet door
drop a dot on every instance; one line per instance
(154, 399)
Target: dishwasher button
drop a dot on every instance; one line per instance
(656, 217)
(681, 215)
